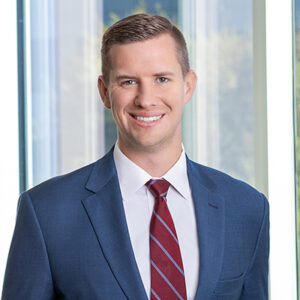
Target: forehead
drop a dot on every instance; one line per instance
(158, 52)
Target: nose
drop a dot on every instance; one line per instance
(145, 96)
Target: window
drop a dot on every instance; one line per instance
(67, 126)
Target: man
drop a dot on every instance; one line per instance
(144, 221)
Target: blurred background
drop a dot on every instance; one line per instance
(242, 118)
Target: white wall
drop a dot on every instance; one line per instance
(281, 164)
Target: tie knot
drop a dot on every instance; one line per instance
(158, 187)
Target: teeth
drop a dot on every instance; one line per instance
(148, 120)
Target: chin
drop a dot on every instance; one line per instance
(148, 145)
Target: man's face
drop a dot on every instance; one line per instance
(146, 93)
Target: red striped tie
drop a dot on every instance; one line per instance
(167, 275)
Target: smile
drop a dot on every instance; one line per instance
(147, 119)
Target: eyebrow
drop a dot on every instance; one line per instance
(167, 73)
(125, 76)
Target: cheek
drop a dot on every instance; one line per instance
(121, 98)
(116, 101)
(119, 102)
(176, 99)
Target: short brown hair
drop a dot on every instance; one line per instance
(142, 27)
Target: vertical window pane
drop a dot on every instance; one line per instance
(65, 116)
(219, 122)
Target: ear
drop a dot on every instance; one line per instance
(103, 91)
(190, 81)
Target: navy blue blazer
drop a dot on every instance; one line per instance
(71, 239)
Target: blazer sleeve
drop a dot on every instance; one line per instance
(28, 274)
(256, 280)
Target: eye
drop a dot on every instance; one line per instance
(129, 82)
(162, 79)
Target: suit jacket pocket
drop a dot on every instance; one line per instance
(230, 286)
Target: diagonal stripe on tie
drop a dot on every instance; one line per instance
(155, 295)
(167, 241)
(167, 274)
(170, 270)
(161, 287)
(166, 226)
(166, 280)
(167, 254)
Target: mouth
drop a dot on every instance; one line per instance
(147, 119)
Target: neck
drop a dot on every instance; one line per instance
(155, 162)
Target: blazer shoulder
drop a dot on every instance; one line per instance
(234, 191)
(71, 180)
(73, 185)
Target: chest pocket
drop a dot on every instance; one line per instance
(230, 289)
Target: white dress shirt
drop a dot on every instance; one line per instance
(138, 205)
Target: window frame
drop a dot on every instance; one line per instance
(281, 148)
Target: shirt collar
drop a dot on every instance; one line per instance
(132, 177)
(177, 176)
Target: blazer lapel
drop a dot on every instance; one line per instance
(210, 216)
(106, 213)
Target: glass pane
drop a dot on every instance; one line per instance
(67, 124)
(64, 114)
(219, 122)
